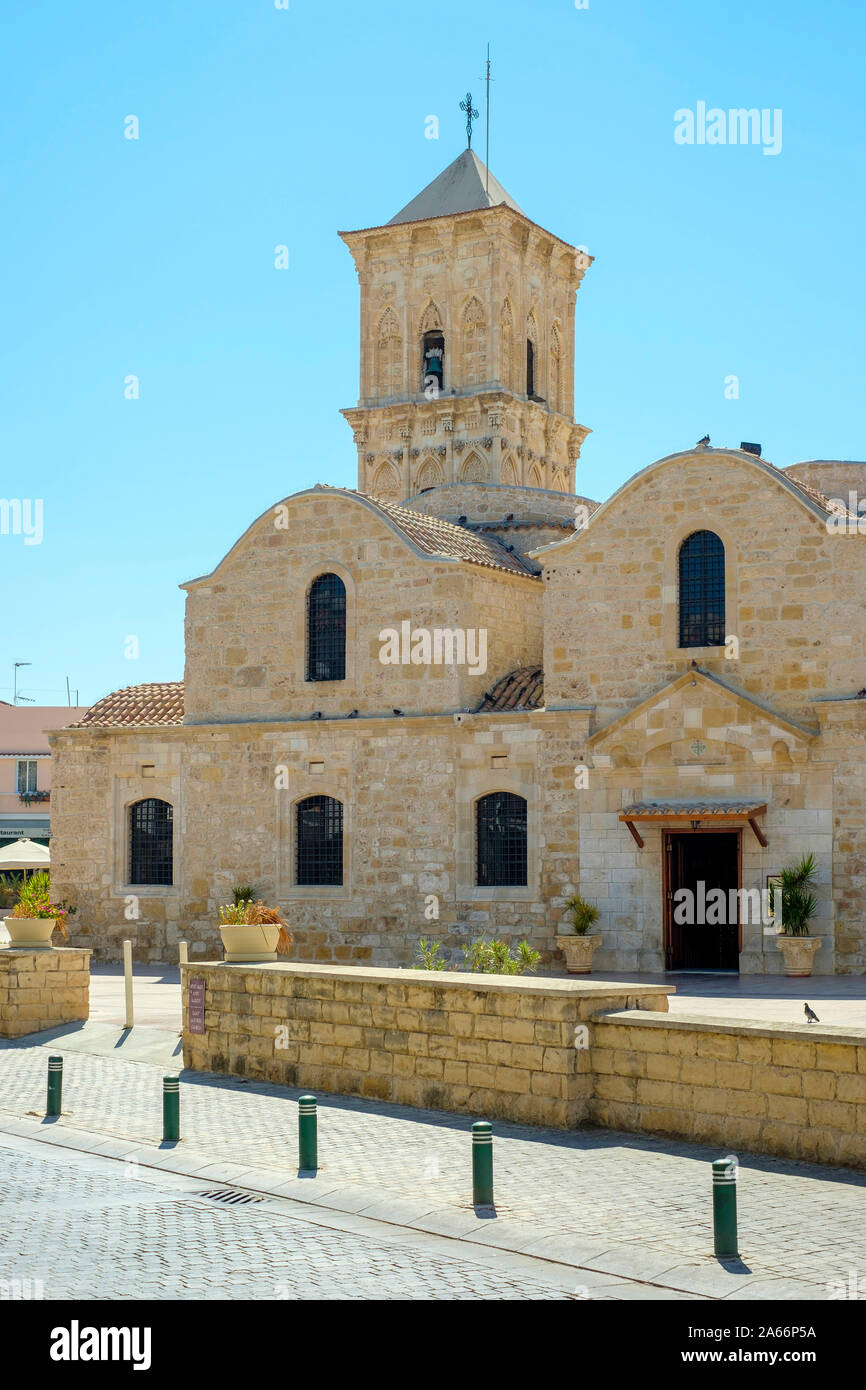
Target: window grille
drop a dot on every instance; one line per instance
(326, 629)
(501, 841)
(702, 590)
(150, 841)
(319, 841)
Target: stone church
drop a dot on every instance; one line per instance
(441, 704)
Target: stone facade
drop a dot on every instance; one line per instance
(43, 988)
(240, 667)
(476, 1044)
(762, 734)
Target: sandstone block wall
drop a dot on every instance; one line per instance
(794, 592)
(246, 634)
(408, 787)
(42, 989)
(799, 1092)
(477, 1044)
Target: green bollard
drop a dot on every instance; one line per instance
(170, 1109)
(482, 1164)
(55, 1085)
(725, 1209)
(308, 1149)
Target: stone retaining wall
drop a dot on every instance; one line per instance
(799, 1092)
(489, 1046)
(42, 988)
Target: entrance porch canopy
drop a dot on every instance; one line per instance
(693, 813)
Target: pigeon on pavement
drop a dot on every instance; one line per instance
(811, 1016)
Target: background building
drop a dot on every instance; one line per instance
(25, 768)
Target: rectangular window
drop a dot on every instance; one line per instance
(319, 842)
(500, 831)
(26, 776)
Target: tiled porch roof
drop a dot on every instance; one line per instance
(692, 810)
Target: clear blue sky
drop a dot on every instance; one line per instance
(261, 126)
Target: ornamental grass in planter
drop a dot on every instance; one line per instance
(252, 931)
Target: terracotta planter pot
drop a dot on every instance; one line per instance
(256, 943)
(798, 953)
(30, 932)
(578, 952)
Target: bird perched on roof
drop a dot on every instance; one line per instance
(317, 714)
(861, 694)
(811, 1016)
(352, 715)
(398, 711)
(705, 440)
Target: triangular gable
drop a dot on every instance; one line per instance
(707, 717)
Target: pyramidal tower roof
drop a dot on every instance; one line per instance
(464, 186)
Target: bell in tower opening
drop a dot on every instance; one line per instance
(432, 366)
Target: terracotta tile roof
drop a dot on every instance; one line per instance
(437, 537)
(158, 704)
(519, 690)
(694, 810)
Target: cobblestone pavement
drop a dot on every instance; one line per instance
(81, 1232)
(797, 1221)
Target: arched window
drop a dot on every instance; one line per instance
(150, 841)
(500, 825)
(326, 629)
(702, 590)
(319, 841)
(531, 353)
(433, 363)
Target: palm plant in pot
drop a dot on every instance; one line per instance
(799, 906)
(252, 931)
(34, 915)
(579, 946)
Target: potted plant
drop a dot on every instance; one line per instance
(578, 946)
(34, 915)
(253, 932)
(799, 906)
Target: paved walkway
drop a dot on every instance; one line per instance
(608, 1204)
(839, 1000)
(74, 1226)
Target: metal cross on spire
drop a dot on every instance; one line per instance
(471, 115)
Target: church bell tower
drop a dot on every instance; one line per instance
(467, 343)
